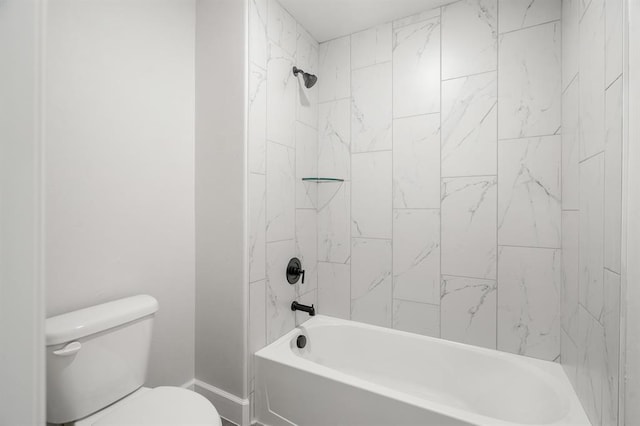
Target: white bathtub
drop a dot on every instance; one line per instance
(357, 374)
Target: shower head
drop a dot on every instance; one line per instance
(309, 79)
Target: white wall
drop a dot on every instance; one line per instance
(120, 165)
(221, 311)
(22, 399)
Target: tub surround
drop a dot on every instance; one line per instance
(592, 202)
(452, 171)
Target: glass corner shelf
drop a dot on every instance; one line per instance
(321, 179)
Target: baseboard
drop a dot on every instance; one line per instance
(229, 406)
(191, 384)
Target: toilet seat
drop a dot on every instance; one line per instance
(164, 405)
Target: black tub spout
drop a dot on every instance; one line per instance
(295, 306)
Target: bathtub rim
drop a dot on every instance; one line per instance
(281, 352)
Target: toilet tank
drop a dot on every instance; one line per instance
(96, 356)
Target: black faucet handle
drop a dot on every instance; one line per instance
(294, 271)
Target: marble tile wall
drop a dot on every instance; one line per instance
(446, 128)
(282, 149)
(591, 202)
(482, 188)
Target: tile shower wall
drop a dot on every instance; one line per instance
(282, 148)
(446, 128)
(591, 202)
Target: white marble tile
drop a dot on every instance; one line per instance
(569, 358)
(469, 219)
(306, 166)
(371, 108)
(306, 50)
(306, 59)
(529, 301)
(416, 64)
(307, 248)
(281, 27)
(592, 234)
(468, 311)
(418, 17)
(371, 281)
(469, 125)
(280, 192)
(257, 126)
(570, 272)
(529, 198)
(529, 82)
(592, 77)
(334, 222)
(582, 7)
(279, 293)
(613, 178)
(469, 37)
(334, 139)
(419, 318)
(257, 316)
(571, 147)
(257, 226)
(334, 69)
(257, 323)
(334, 290)
(416, 166)
(281, 97)
(613, 39)
(416, 255)
(611, 323)
(258, 32)
(371, 194)
(591, 365)
(570, 41)
(518, 14)
(371, 46)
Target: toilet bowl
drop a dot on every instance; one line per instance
(96, 365)
(164, 405)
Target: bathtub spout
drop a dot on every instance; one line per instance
(295, 306)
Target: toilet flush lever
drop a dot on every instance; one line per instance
(69, 349)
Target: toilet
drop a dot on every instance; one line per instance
(96, 366)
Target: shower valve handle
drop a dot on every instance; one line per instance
(295, 271)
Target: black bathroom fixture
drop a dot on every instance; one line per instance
(301, 341)
(311, 310)
(309, 79)
(294, 271)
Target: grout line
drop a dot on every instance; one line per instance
(523, 138)
(440, 180)
(529, 247)
(392, 124)
(498, 39)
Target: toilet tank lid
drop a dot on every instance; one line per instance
(94, 319)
